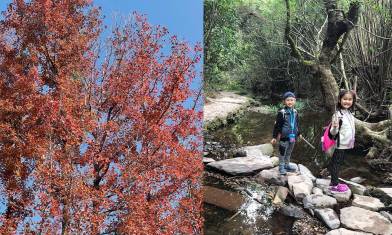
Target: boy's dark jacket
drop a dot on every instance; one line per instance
(282, 124)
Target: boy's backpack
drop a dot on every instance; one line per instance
(328, 141)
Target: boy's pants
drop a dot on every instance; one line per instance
(285, 149)
(334, 165)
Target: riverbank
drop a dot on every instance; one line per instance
(224, 108)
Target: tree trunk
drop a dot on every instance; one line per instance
(328, 85)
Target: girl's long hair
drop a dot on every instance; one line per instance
(341, 94)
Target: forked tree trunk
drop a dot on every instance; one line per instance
(375, 135)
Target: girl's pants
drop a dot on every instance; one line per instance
(285, 149)
(334, 165)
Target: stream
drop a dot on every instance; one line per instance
(255, 128)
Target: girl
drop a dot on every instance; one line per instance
(344, 127)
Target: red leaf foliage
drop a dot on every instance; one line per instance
(96, 138)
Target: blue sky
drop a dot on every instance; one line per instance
(181, 18)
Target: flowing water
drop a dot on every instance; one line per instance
(253, 129)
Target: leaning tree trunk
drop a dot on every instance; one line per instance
(329, 85)
(375, 135)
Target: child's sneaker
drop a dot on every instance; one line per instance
(290, 168)
(340, 188)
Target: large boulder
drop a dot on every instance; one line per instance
(322, 183)
(343, 231)
(365, 220)
(305, 171)
(355, 188)
(300, 186)
(314, 201)
(293, 211)
(386, 215)
(242, 165)
(318, 191)
(329, 217)
(365, 202)
(271, 176)
(340, 196)
(258, 150)
(388, 191)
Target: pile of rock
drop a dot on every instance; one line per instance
(360, 214)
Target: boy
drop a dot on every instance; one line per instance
(286, 129)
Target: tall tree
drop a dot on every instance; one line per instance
(339, 25)
(96, 145)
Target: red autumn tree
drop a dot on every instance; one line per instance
(96, 139)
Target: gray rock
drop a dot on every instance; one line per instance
(317, 191)
(208, 160)
(329, 217)
(340, 196)
(387, 191)
(357, 180)
(364, 220)
(343, 231)
(280, 195)
(293, 211)
(259, 150)
(271, 176)
(355, 188)
(319, 201)
(322, 183)
(386, 215)
(365, 202)
(305, 171)
(242, 165)
(275, 161)
(300, 186)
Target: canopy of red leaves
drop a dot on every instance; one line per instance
(96, 138)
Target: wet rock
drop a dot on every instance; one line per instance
(380, 193)
(343, 231)
(340, 196)
(208, 160)
(355, 188)
(240, 153)
(293, 211)
(271, 176)
(365, 220)
(222, 198)
(317, 191)
(357, 180)
(387, 178)
(386, 215)
(329, 217)
(365, 202)
(388, 191)
(275, 161)
(242, 165)
(300, 186)
(305, 171)
(258, 150)
(281, 194)
(308, 226)
(319, 201)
